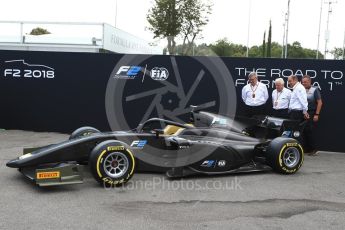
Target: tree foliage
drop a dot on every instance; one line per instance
(166, 21)
(178, 18)
(194, 17)
(264, 45)
(338, 53)
(225, 48)
(39, 31)
(269, 41)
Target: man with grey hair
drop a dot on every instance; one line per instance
(280, 99)
(254, 95)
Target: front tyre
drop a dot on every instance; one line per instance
(112, 163)
(285, 155)
(83, 132)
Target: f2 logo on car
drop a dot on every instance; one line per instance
(139, 144)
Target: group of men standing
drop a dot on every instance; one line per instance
(303, 102)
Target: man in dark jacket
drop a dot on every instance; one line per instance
(314, 109)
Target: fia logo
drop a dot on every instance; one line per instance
(159, 74)
(221, 163)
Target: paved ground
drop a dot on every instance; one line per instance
(312, 199)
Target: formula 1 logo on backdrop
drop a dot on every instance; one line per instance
(22, 69)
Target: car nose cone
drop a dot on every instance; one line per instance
(12, 163)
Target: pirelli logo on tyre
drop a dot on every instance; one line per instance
(47, 175)
(291, 144)
(116, 148)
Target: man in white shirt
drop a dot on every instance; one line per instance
(254, 95)
(298, 107)
(281, 99)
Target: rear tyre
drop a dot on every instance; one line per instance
(112, 163)
(82, 132)
(285, 155)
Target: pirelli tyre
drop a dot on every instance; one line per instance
(112, 163)
(83, 131)
(285, 155)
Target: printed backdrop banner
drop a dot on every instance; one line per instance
(59, 92)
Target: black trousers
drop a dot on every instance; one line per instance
(251, 111)
(296, 115)
(282, 113)
(309, 133)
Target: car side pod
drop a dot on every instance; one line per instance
(55, 174)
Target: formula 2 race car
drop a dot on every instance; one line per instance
(211, 144)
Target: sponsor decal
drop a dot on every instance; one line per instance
(221, 163)
(219, 121)
(22, 69)
(139, 144)
(112, 182)
(213, 163)
(159, 74)
(47, 175)
(287, 134)
(208, 163)
(291, 144)
(129, 72)
(116, 148)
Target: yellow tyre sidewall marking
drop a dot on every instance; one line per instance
(132, 157)
(98, 162)
(302, 155)
(281, 160)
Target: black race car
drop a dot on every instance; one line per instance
(211, 144)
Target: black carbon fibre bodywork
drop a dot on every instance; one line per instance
(213, 145)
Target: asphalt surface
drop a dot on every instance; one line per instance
(314, 198)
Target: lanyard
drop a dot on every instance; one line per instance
(278, 95)
(253, 90)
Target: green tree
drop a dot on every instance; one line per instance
(269, 41)
(194, 17)
(297, 51)
(255, 51)
(165, 19)
(264, 46)
(204, 50)
(172, 18)
(223, 47)
(39, 31)
(338, 53)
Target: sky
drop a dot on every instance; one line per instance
(229, 18)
